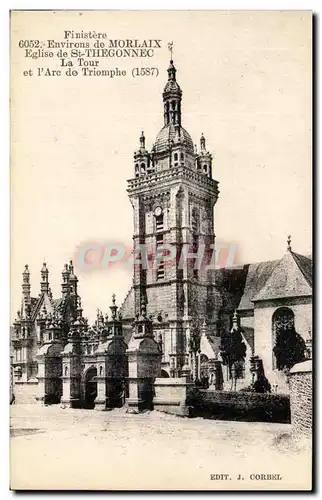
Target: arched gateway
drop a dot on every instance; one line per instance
(90, 388)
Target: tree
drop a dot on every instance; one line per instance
(233, 353)
(289, 347)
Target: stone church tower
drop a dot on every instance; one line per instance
(173, 195)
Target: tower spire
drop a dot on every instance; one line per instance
(65, 286)
(172, 95)
(44, 284)
(26, 288)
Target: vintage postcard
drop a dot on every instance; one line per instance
(161, 253)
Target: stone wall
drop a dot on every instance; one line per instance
(243, 406)
(301, 399)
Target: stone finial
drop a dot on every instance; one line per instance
(44, 284)
(202, 142)
(26, 270)
(170, 48)
(142, 140)
(44, 268)
(65, 273)
(26, 289)
(113, 307)
(72, 278)
(289, 239)
(79, 307)
(235, 320)
(143, 308)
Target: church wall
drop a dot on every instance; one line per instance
(263, 313)
(247, 321)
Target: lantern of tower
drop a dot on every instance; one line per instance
(142, 160)
(204, 159)
(65, 286)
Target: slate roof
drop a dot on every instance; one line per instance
(230, 282)
(257, 276)
(127, 308)
(248, 333)
(169, 133)
(290, 278)
(34, 303)
(305, 266)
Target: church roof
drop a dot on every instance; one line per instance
(248, 334)
(292, 277)
(172, 86)
(34, 302)
(239, 287)
(127, 308)
(230, 282)
(257, 276)
(305, 266)
(169, 133)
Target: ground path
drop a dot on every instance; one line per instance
(56, 448)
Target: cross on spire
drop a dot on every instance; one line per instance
(170, 47)
(289, 239)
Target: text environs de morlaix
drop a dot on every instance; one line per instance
(105, 46)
